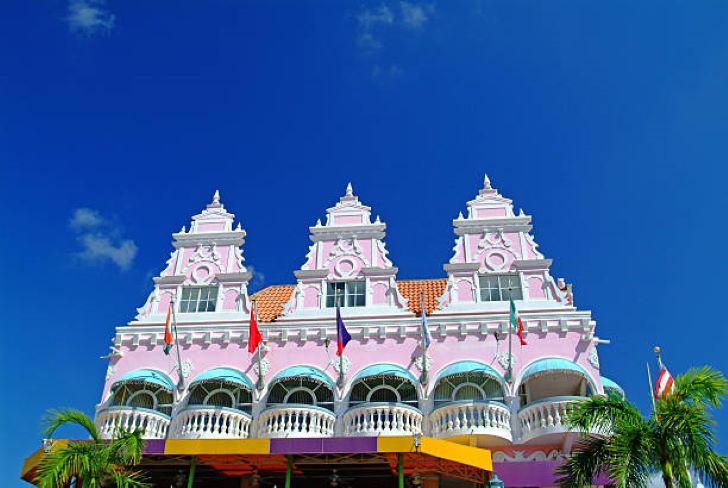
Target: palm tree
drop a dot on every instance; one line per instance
(94, 463)
(677, 439)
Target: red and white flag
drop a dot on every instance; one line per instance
(168, 332)
(665, 384)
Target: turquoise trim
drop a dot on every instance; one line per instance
(147, 376)
(553, 364)
(608, 384)
(228, 375)
(306, 372)
(385, 370)
(469, 366)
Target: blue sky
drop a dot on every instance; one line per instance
(607, 121)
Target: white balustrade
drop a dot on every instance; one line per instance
(471, 417)
(545, 416)
(372, 419)
(207, 422)
(295, 421)
(154, 424)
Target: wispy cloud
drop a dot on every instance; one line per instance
(100, 239)
(89, 16)
(258, 279)
(372, 23)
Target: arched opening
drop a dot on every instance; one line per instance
(554, 378)
(297, 386)
(222, 387)
(468, 381)
(385, 384)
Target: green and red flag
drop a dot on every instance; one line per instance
(168, 332)
(517, 324)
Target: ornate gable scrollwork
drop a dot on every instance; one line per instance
(493, 239)
(346, 247)
(205, 253)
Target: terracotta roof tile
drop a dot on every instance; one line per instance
(270, 301)
(433, 289)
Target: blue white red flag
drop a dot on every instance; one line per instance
(342, 335)
(426, 337)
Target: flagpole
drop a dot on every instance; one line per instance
(652, 390)
(181, 380)
(423, 376)
(340, 379)
(509, 372)
(260, 384)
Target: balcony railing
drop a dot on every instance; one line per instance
(207, 422)
(382, 419)
(295, 421)
(154, 424)
(471, 417)
(546, 416)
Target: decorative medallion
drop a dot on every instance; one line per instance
(264, 365)
(503, 360)
(593, 358)
(334, 362)
(187, 368)
(428, 359)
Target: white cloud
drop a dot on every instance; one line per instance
(375, 23)
(89, 16)
(85, 218)
(100, 240)
(414, 16)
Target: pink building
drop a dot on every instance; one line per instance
(466, 388)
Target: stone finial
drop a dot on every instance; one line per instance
(520, 212)
(216, 197)
(318, 222)
(349, 190)
(377, 221)
(460, 215)
(239, 227)
(486, 183)
(183, 229)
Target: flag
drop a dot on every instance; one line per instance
(168, 332)
(517, 324)
(665, 384)
(254, 337)
(342, 335)
(425, 329)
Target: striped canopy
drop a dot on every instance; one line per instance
(551, 365)
(469, 367)
(385, 370)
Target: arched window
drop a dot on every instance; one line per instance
(301, 390)
(468, 381)
(218, 393)
(383, 383)
(142, 395)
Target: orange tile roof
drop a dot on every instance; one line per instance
(433, 289)
(270, 301)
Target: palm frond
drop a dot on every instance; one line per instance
(630, 452)
(58, 418)
(701, 386)
(713, 470)
(57, 468)
(589, 458)
(127, 448)
(599, 413)
(123, 478)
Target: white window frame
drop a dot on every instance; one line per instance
(468, 384)
(384, 387)
(503, 294)
(233, 401)
(348, 299)
(139, 393)
(197, 300)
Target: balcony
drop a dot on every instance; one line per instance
(296, 421)
(487, 419)
(374, 419)
(154, 424)
(546, 417)
(209, 422)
